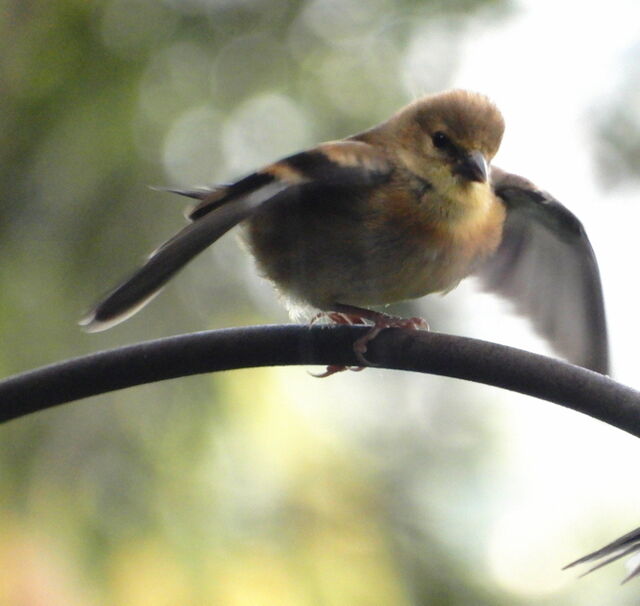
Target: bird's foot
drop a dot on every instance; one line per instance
(340, 318)
(349, 314)
(380, 322)
(332, 369)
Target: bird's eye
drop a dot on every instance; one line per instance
(440, 140)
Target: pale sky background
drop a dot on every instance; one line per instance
(547, 69)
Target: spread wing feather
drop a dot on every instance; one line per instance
(334, 165)
(546, 266)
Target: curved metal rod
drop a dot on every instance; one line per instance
(459, 357)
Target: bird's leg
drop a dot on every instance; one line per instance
(350, 314)
(380, 321)
(337, 317)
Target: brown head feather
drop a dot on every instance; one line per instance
(470, 119)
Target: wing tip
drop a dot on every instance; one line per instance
(91, 322)
(100, 318)
(596, 358)
(612, 552)
(97, 320)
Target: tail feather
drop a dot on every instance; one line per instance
(225, 193)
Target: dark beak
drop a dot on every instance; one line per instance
(473, 167)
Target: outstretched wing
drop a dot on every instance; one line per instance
(342, 164)
(546, 265)
(625, 545)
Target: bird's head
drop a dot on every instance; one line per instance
(449, 138)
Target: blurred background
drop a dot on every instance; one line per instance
(270, 487)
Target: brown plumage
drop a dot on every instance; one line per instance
(407, 208)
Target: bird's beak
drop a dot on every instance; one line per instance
(473, 167)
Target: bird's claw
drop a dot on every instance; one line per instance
(332, 369)
(382, 321)
(354, 315)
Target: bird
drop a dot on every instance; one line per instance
(407, 208)
(627, 545)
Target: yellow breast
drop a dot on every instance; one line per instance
(468, 231)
